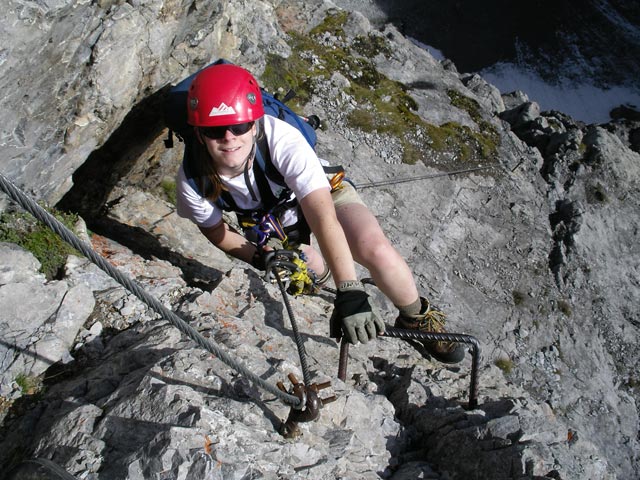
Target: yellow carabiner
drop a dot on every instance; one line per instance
(301, 282)
(336, 181)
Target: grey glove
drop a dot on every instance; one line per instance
(353, 315)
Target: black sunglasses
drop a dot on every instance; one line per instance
(216, 133)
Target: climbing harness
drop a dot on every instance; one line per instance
(259, 231)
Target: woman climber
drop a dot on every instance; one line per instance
(226, 111)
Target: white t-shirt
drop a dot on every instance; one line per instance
(292, 156)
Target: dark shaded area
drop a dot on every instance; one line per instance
(476, 34)
(435, 431)
(89, 380)
(544, 33)
(565, 222)
(146, 245)
(39, 469)
(105, 167)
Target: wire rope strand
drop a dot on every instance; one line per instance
(394, 181)
(68, 236)
(296, 334)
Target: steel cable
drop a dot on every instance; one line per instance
(395, 181)
(296, 334)
(68, 236)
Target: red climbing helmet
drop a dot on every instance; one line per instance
(223, 95)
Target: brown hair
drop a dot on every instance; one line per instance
(206, 177)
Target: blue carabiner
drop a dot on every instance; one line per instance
(268, 226)
(272, 225)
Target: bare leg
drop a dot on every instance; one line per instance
(371, 249)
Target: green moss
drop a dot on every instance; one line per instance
(486, 139)
(467, 104)
(504, 364)
(385, 109)
(384, 105)
(29, 384)
(168, 186)
(333, 24)
(596, 194)
(288, 73)
(565, 308)
(371, 46)
(518, 297)
(50, 250)
(412, 153)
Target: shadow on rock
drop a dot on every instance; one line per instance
(105, 167)
(440, 435)
(146, 245)
(276, 314)
(87, 391)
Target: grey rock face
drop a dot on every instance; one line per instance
(38, 321)
(535, 255)
(73, 70)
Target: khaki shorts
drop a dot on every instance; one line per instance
(345, 195)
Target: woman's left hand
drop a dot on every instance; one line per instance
(354, 317)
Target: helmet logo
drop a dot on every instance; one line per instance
(222, 109)
(193, 103)
(252, 98)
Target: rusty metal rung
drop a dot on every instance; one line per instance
(404, 334)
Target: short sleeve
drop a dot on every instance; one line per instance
(294, 158)
(191, 205)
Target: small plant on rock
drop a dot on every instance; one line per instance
(504, 364)
(50, 250)
(29, 384)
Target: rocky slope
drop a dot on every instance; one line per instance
(535, 254)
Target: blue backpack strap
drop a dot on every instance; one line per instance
(263, 169)
(277, 108)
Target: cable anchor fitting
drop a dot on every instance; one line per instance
(307, 410)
